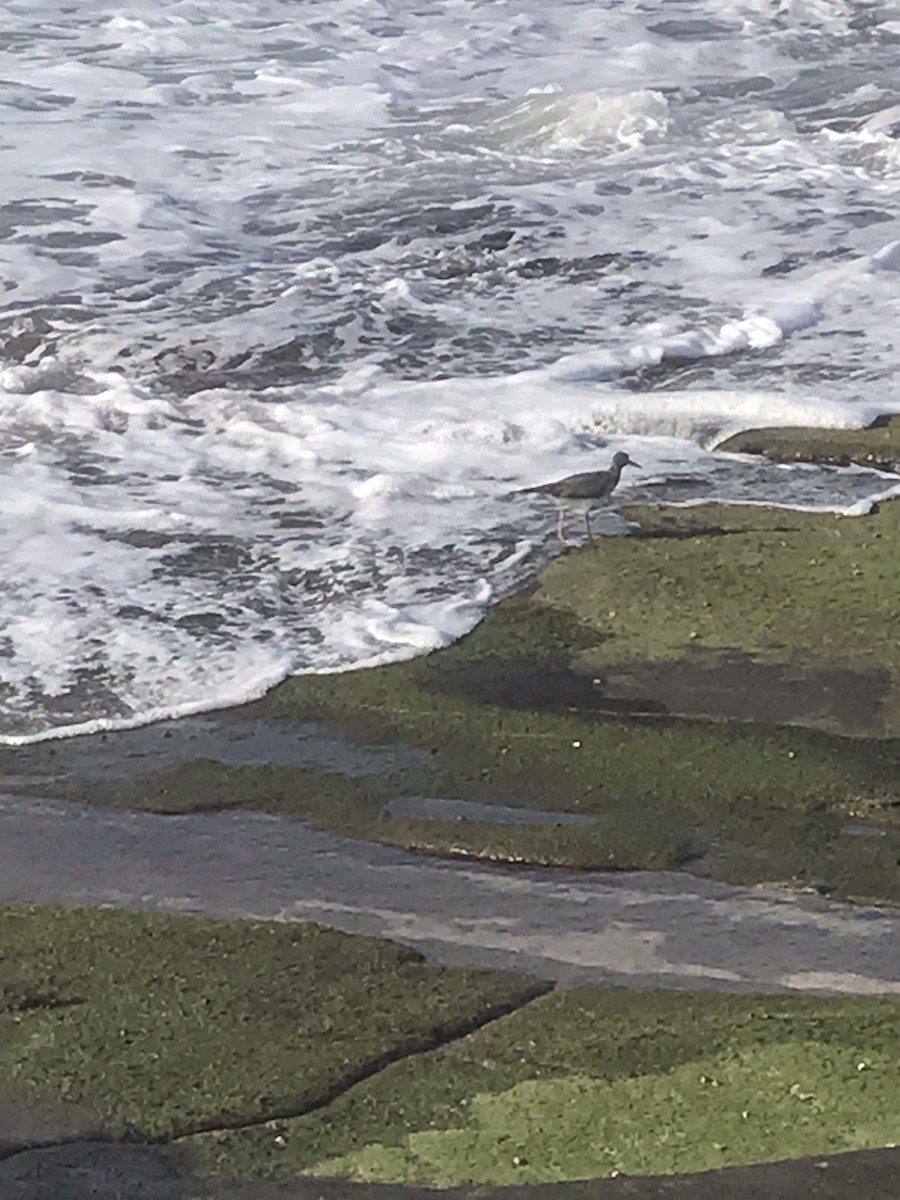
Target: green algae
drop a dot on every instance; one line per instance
(579, 1128)
(263, 1048)
(813, 590)
(738, 803)
(876, 446)
(168, 1024)
(346, 804)
(595, 1081)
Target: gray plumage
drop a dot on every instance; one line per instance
(583, 491)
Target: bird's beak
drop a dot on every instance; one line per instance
(632, 463)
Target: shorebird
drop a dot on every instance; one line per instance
(584, 491)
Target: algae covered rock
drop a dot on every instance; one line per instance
(170, 1024)
(261, 1048)
(876, 446)
(594, 1082)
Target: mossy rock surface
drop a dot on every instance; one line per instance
(876, 446)
(591, 1082)
(607, 690)
(268, 1049)
(166, 1025)
(770, 616)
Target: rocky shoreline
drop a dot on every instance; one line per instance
(716, 694)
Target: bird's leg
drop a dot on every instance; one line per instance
(587, 524)
(559, 528)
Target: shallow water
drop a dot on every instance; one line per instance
(638, 929)
(294, 299)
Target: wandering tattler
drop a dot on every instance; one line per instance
(584, 491)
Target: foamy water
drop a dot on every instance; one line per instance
(295, 297)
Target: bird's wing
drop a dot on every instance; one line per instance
(585, 486)
(541, 489)
(562, 487)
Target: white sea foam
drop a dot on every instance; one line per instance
(569, 122)
(292, 308)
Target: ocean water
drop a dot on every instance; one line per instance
(294, 296)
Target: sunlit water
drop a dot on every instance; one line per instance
(296, 295)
